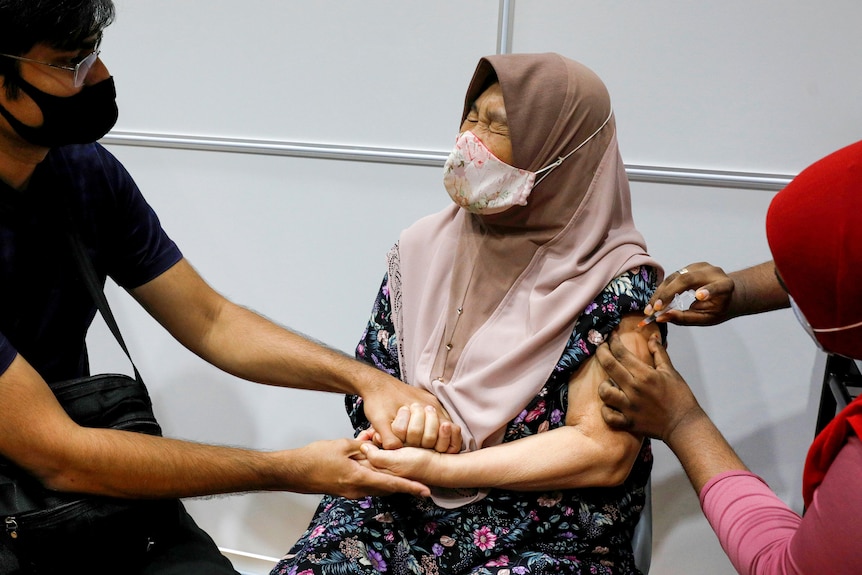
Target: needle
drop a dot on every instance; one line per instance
(681, 301)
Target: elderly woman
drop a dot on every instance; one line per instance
(496, 305)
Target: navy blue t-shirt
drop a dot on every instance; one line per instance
(45, 308)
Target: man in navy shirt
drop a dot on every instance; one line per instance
(56, 99)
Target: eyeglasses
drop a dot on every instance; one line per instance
(79, 70)
(812, 330)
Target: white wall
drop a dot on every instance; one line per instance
(762, 87)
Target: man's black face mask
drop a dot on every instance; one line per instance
(79, 119)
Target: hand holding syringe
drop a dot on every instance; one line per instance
(681, 301)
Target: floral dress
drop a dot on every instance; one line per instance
(577, 531)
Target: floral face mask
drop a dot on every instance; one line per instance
(481, 183)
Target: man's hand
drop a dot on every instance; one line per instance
(407, 462)
(403, 415)
(339, 467)
(642, 399)
(714, 293)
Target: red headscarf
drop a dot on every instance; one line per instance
(814, 228)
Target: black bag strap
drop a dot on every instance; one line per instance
(64, 182)
(98, 294)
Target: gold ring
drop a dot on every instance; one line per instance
(683, 271)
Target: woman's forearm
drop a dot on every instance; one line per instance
(563, 458)
(757, 290)
(763, 536)
(702, 449)
(754, 526)
(583, 453)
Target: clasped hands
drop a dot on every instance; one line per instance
(408, 426)
(423, 433)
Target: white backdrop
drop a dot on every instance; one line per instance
(761, 87)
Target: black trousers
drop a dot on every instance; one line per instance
(159, 539)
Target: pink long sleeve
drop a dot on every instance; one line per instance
(763, 536)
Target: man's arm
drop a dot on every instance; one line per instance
(249, 346)
(720, 296)
(36, 433)
(586, 452)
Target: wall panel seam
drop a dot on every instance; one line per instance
(636, 173)
(506, 26)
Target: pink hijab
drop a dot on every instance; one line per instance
(520, 278)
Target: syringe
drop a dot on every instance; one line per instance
(681, 301)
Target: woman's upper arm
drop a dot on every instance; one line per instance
(584, 406)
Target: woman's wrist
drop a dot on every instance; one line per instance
(701, 448)
(756, 290)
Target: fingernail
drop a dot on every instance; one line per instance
(701, 294)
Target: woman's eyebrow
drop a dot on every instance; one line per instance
(498, 115)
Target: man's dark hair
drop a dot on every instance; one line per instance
(62, 24)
